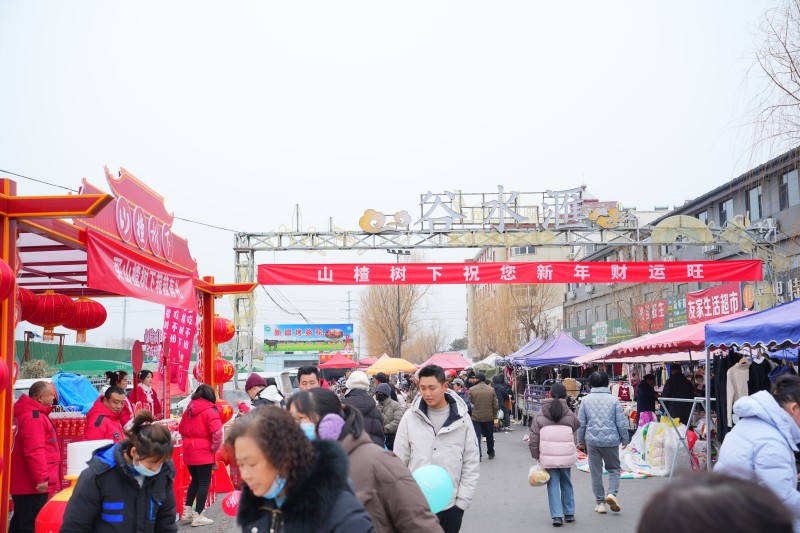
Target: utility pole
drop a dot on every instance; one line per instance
(348, 307)
(397, 254)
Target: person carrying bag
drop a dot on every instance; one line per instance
(552, 442)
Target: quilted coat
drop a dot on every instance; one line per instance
(553, 443)
(762, 446)
(603, 423)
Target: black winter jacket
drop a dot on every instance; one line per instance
(323, 502)
(373, 421)
(502, 393)
(108, 499)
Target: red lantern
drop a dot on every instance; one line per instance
(28, 302)
(223, 329)
(223, 371)
(225, 410)
(89, 314)
(197, 371)
(52, 310)
(7, 280)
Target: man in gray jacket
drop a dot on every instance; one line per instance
(436, 430)
(603, 428)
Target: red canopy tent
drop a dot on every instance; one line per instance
(691, 337)
(367, 362)
(339, 361)
(448, 361)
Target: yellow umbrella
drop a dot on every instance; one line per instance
(391, 365)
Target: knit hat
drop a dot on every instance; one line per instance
(357, 380)
(385, 389)
(459, 382)
(330, 427)
(254, 380)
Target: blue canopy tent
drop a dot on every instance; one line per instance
(518, 357)
(558, 350)
(774, 327)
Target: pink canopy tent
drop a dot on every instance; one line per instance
(339, 361)
(448, 361)
(367, 362)
(689, 338)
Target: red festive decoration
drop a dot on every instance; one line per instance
(14, 373)
(89, 314)
(225, 410)
(7, 280)
(27, 301)
(52, 310)
(3, 373)
(197, 371)
(223, 371)
(223, 329)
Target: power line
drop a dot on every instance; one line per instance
(39, 181)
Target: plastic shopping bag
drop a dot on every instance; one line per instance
(538, 476)
(75, 390)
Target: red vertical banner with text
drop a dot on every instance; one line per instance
(180, 327)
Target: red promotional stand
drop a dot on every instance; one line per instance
(115, 245)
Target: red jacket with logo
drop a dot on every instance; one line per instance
(36, 457)
(201, 429)
(103, 423)
(148, 399)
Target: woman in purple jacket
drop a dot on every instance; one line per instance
(552, 442)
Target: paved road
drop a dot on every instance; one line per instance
(505, 502)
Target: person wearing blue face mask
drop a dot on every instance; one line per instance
(127, 487)
(291, 484)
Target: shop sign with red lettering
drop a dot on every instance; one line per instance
(180, 327)
(713, 302)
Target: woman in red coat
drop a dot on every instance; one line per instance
(201, 429)
(143, 393)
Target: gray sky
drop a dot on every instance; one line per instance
(237, 111)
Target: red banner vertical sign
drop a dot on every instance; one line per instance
(650, 316)
(180, 327)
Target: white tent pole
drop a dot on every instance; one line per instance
(708, 409)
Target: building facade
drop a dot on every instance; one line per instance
(756, 215)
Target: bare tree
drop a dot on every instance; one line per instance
(428, 341)
(121, 344)
(531, 304)
(378, 316)
(777, 66)
(496, 324)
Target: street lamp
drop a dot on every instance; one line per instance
(398, 253)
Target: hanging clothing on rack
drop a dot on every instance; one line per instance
(738, 378)
(759, 376)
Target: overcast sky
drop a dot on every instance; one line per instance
(236, 111)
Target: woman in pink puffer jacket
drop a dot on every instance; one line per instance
(552, 442)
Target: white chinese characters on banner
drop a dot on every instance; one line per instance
(145, 278)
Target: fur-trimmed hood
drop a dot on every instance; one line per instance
(323, 501)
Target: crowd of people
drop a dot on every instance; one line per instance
(344, 459)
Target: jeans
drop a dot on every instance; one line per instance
(559, 492)
(450, 519)
(506, 422)
(198, 488)
(485, 429)
(597, 457)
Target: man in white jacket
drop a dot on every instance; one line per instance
(437, 430)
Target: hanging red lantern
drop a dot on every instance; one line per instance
(89, 314)
(7, 280)
(223, 371)
(52, 310)
(197, 371)
(27, 301)
(223, 329)
(225, 410)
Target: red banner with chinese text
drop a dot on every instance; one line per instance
(117, 270)
(180, 327)
(650, 316)
(713, 302)
(482, 273)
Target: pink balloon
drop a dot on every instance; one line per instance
(230, 504)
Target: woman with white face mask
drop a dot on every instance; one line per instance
(127, 486)
(291, 484)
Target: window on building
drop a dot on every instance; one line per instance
(609, 310)
(754, 203)
(523, 250)
(597, 313)
(789, 191)
(589, 318)
(725, 211)
(682, 288)
(702, 216)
